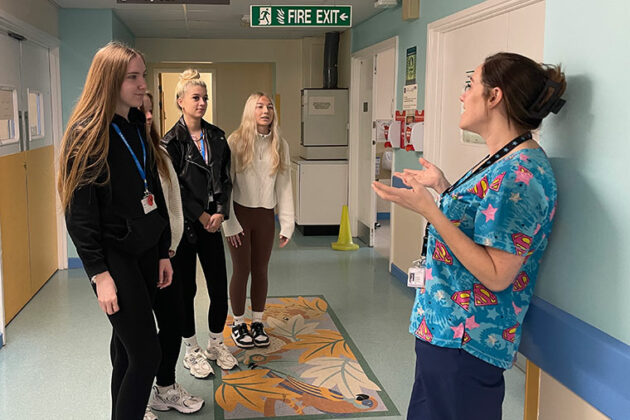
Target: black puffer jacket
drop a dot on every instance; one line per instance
(204, 187)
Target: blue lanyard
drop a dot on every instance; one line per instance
(143, 174)
(202, 148)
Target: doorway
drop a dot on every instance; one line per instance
(374, 73)
(169, 113)
(29, 128)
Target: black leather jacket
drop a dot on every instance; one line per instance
(204, 187)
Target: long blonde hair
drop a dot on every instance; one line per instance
(242, 140)
(189, 77)
(85, 144)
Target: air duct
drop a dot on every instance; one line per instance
(331, 51)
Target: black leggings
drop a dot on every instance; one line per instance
(135, 350)
(167, 309)
(209, 247)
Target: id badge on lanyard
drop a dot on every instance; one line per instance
(416, 274)
(148, 200)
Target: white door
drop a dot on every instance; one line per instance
(10, 92)
(378, 90)
(520, 30)
(366, 170)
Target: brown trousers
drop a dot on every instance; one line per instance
(251, 257)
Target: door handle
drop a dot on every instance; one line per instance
(21, 129)
(27, 134)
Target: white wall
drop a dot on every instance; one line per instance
(41, 14)
(557, 402)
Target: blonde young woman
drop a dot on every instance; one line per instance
(117, 218)
(201, 158)
(167, 393)
(262, 182)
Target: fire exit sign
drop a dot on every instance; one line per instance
(300, 16)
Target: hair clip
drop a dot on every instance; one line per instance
(553, 104)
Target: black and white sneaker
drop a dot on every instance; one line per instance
(241, 336)
(258, 333)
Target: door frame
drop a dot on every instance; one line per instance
(436, 38)
(353, 134)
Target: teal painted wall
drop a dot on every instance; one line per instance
(388, 24)
(82, 32)
(585, 271)
(120, 31)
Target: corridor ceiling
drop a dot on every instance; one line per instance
(212, 21)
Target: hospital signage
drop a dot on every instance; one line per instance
(300, 16)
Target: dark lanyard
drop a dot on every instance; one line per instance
(487, 162)
(202, 148)
(143, 174)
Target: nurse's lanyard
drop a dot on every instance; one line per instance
(488, 162)
(148, 202)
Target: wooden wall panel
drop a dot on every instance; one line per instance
(41, 215)
(15, 240)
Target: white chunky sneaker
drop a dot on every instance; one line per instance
(175, 397)
(148, 414)
(222, 355)
(241, 336)
(261, 339)
(196, 362)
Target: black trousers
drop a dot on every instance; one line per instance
(135, 350)
(167, 308)
(209, 248)
(451, 384)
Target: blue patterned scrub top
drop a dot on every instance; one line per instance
(510, 206)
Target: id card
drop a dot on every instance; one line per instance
(148, 203)
(416, 276)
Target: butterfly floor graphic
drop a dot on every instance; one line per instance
(310, 370)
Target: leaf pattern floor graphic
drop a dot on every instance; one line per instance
(311, 369)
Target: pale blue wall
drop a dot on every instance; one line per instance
(120, 31)
(82, 32)
(388, 24)
(586, 270)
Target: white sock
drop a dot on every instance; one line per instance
(257, 316)
(240, 319)
(215, 339)
(191, 344)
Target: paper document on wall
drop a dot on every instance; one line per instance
(6, 105)
(410, 96)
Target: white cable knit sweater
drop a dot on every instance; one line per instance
(256, 186)
(173, 198)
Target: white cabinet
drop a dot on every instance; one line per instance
(320, 190)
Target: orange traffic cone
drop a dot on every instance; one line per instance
(344, 242)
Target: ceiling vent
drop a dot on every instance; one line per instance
(382, 4)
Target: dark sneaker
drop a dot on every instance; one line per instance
(258, 333)
(241, 336)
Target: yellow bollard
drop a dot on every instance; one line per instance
(344, 242)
